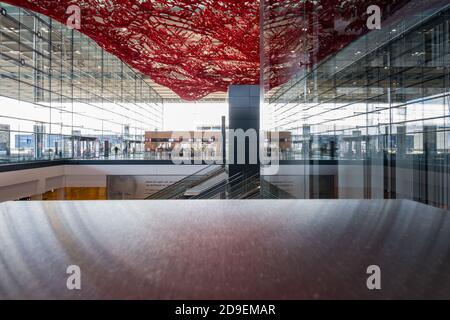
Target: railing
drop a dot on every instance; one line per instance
(271, 191)
(248, 188)
(216, 190)
(177, 190)
(239, 186)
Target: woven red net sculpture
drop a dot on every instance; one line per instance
(196, 47)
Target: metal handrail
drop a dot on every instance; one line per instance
(182, 185)
(247, 187)
(232, 188)
(271, 191)
(217, 187)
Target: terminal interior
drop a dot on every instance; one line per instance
(224, 150)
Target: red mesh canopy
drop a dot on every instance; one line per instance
(198, 47)
(192, 47)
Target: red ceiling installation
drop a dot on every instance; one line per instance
(192, 47)
(196, 47)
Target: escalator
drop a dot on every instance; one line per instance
(239, 186)
(178, 189)
(244, 186)
(214, 183)
(271, 191)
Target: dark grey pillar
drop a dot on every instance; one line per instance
(429, 141)
(224, 141)
(429, 153)
(244, 107)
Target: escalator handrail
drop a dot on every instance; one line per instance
(217, 187)
(177, 184)
(236, 181)
(242, 187)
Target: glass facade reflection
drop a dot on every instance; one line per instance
(62, 96)
(378, 109)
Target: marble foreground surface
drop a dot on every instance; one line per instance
(250, 249)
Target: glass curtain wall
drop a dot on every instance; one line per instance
(370, 120)
(62, 96)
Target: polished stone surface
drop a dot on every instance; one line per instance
(250, 249)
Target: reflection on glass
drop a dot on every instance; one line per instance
(376, 102)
